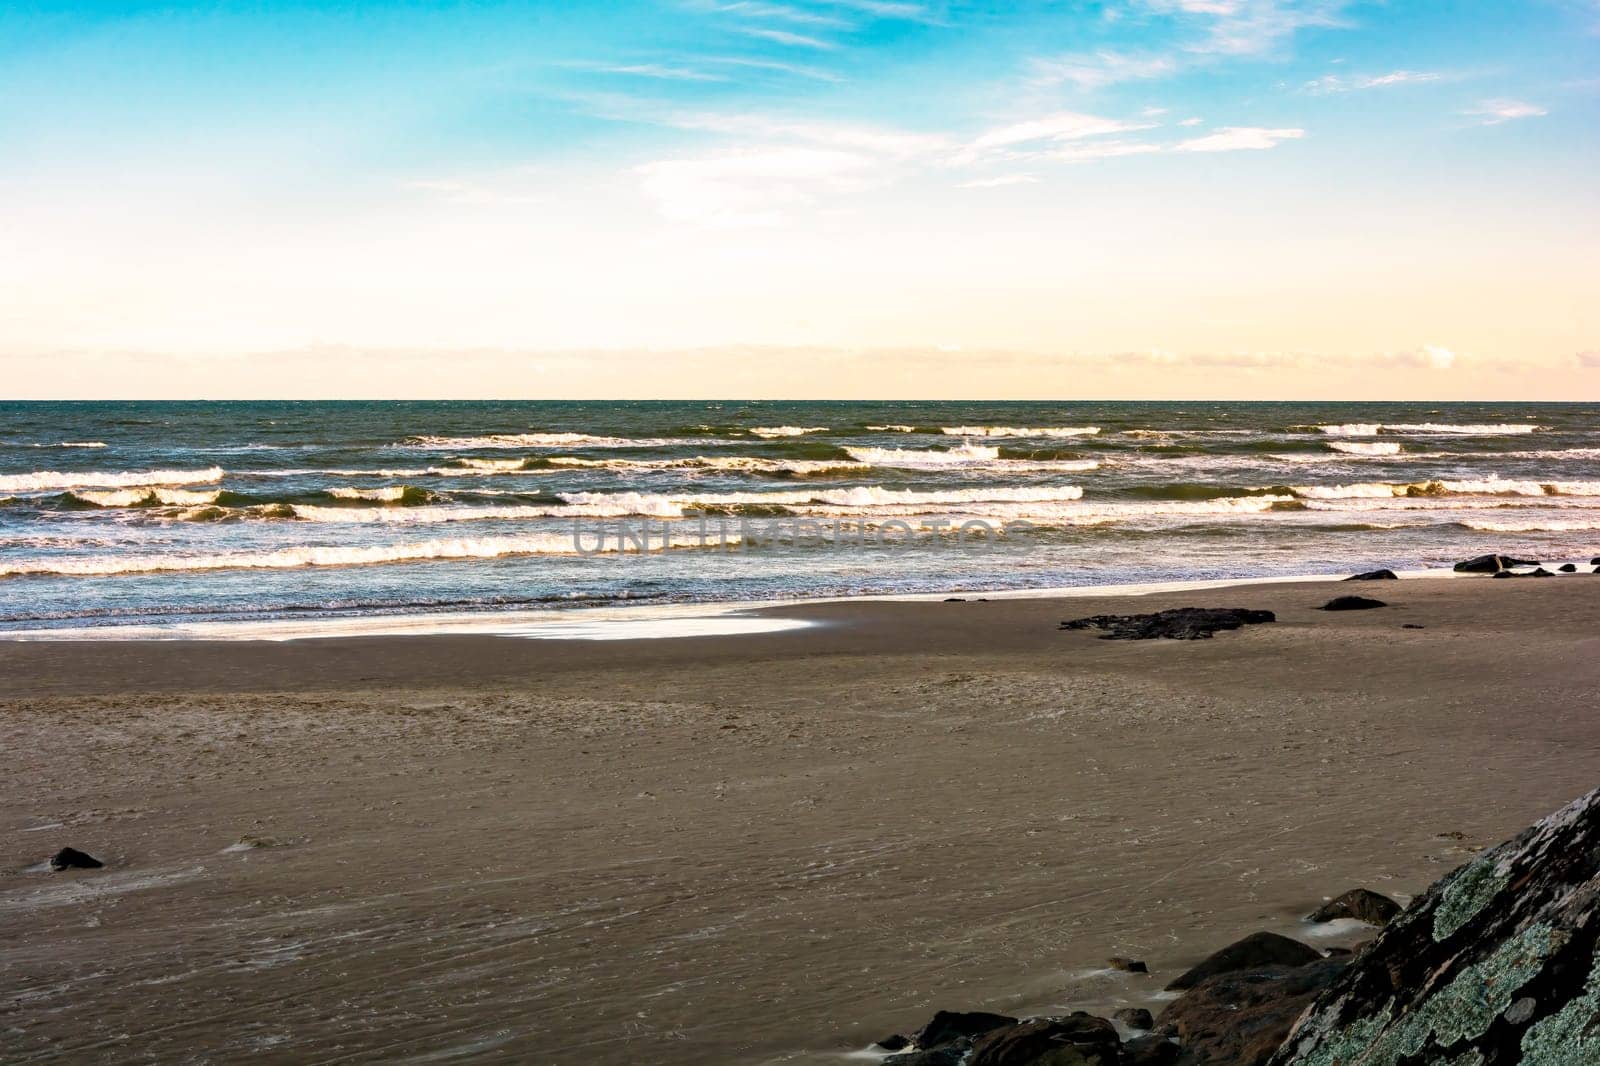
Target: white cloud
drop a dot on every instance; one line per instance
(1494, 112)
(779, 12)
(1003, 180)
(1062, 126)
(1334, 83)
(899, 143)
(1239, 138)
(1590, 359)
(1249, 27)
(751, 188)
(796, 69)
(1099, 69)
(1438, 357)
(1194, 121)
(1104, 150)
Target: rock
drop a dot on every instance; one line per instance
(1595, 561)
(1489, 564)
(1182, 623)
(1362, 904)
(1151, 1050)
(955, 599)
(947, 1027)
(1135, 1018)
(1569, 568)
(1241, 1018)
(1351, 603)
(1077, 1040)
(897, 1042)
(73, 859)
(1254, 951)
(1412, 625)
(1117, 962)
(1375, 575)
(1495, 964)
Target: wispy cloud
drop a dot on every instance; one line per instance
(659, 71)
(1334, 83)
(1495, 112)
(777, 12)
(797, 69)
(1248, 27)
(1239, 138)
(1001, 181)
(1096, 70)
(753, 188)
(1062, 126)
(795, 40)
(1589, 359)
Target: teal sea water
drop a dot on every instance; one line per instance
(134, 512)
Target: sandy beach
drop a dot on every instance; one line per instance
(743, 849)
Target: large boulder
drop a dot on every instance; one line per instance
(1241, 1018)
(1490, 564)
(73, 859)
(1182, 623)
(1495, 964)
(1077, 1040)
(1254, 951)
(949, 1027)
(1362, 904)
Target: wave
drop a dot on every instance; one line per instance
(1364, 447)
(1483, 487)
(537, 440)
(309, 556)
(1540, 525)
(140, 497)
(60, 444)
(405, 494)
(1480, 429)
(786, 431)
(892, 429)
(908, 457)
(1019, 431)
(46, 480)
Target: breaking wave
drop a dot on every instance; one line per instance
(1019, 431)
(1364, 447)
(1480, 429)
(47, 480)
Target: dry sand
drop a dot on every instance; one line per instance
(742, 849)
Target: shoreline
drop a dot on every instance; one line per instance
(532, 623)
(774, 848)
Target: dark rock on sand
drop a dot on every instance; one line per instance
(1182, 623)
(894, 1043)
(1412, 625)
(1495, 964)
(1489, 564)
(955, 599)
(73, 859)
(948, 1027)
(1375, 575)
(1150, 1050)
(1569, 568)
(1135, 1018)
(1117, 962)
(1254, 951)
(1540, 572)
(1351, 603)
(1076, 1040)
(1241, 1018)
(1362, 904)
(1595, 561)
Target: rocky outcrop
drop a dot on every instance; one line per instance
(1352, 603)
(1117, 962)
(1375, 575)
(1076, 1040)
(1539, 572)
(1182, 623)
(1496, 964)
(1241, 1018)
(1362, 904)
(1135, 1018)
(1254, 951)
(1491, 564)
(949, 1027)
(73, 859)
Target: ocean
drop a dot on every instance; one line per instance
(116, 513)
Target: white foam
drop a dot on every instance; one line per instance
(1479, 429)
(786, 431)
(893, 429)
(387, 494)
(1020, 431)
(538, 440)
(912, 458)
(1540, 525)
(1479, 487)
(46, 480)
(1364, 447)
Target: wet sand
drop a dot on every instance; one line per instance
(750, 849)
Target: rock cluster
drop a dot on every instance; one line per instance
(1182, 623)
(1352, 603)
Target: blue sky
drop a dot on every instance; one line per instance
(1265, 196)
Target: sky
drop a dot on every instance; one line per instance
(1166, 199)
